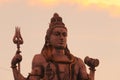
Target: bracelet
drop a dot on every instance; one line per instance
(92, 69)
(33, 74)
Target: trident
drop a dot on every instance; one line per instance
(18, 40)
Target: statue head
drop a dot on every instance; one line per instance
(57, 33)
(56, 30)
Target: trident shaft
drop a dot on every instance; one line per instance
(18, 40)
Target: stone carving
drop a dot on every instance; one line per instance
(55, 62)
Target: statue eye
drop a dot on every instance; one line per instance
(57, 34)
(64, 34)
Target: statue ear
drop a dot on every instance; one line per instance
(47, 41)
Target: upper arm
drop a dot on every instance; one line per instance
(37, 68)
(35, 62)
(82, 70)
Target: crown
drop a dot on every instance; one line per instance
(56, 20)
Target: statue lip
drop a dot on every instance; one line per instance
(61, 42)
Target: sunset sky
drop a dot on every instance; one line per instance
(93, 30)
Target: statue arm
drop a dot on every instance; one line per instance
(37, 69)
(92, 63)
(92, 74)
(16, 73)
(82, 74)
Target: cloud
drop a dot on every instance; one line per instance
(111, 6)
(83, 2)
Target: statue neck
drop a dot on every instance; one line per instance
(58, 51)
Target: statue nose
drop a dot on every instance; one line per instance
(61, 37)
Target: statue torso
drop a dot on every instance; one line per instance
(61, 68)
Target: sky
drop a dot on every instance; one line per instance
(93, 30)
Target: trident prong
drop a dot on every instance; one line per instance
(18, 40)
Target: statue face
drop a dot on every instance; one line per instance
(58, 38)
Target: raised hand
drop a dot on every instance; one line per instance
(92, 63)
(16, 59)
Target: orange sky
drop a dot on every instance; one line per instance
(3, 1)
(111, 6)
(92, 32)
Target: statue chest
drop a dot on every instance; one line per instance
(61, 68)
(57, 71)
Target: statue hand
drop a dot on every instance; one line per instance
(16, 59)
(92, 63)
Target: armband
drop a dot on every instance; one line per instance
(30, 74)
(92, 69)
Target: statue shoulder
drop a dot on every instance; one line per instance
(79, 61)
(82, 69)
(38, 59)
(38, 56)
